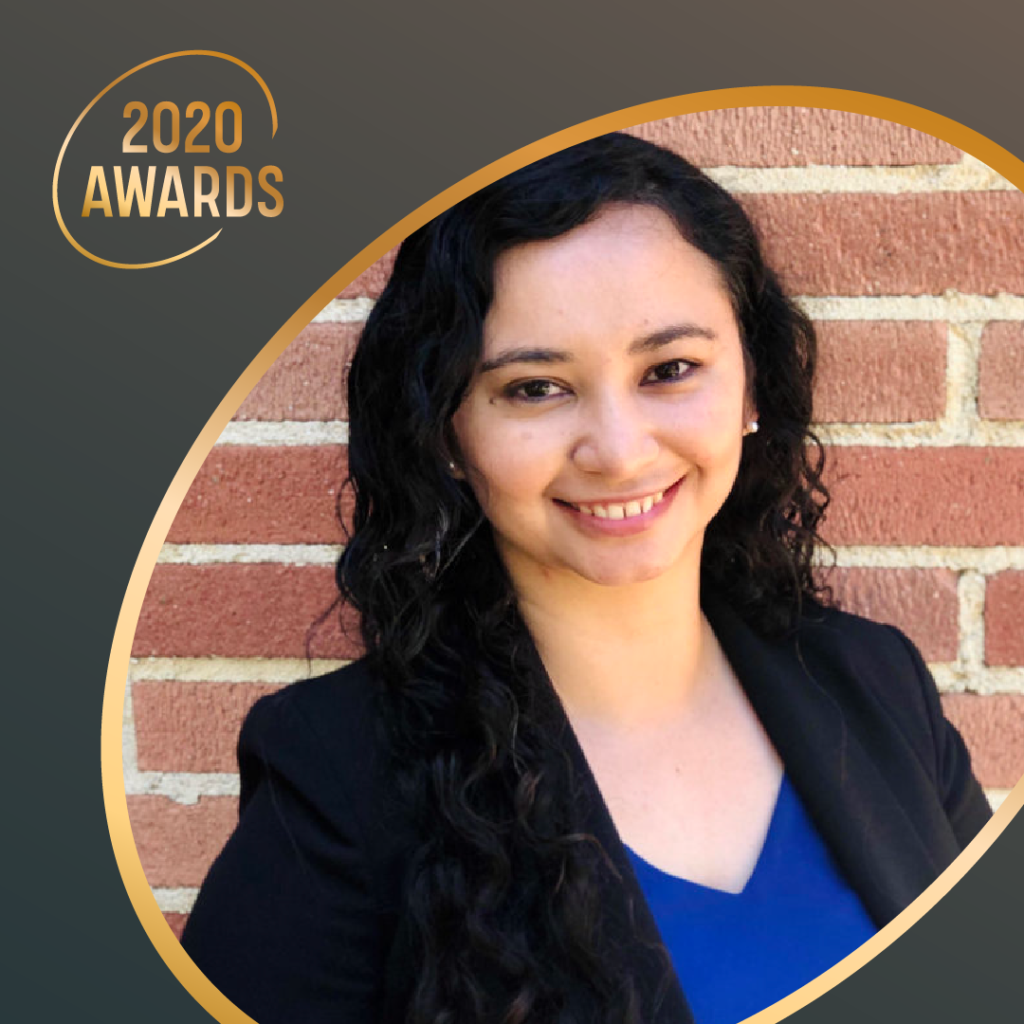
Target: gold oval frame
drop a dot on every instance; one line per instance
(115, 801)
(94, 101)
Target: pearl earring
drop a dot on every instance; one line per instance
(752, 427)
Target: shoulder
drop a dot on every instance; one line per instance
(866, 686)
(878, 677)
(298, 913)
(885, 688)
(324, 737)
(837, 648)
(836, 662)
(338, 706)
(874, 648)
(880, 655)
(875, 657)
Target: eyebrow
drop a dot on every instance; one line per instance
(646, 343)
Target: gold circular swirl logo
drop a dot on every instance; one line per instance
(190, 139)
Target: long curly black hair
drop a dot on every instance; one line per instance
(505, 892)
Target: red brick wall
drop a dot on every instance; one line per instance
(909, 256)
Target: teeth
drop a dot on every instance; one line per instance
(625, 511)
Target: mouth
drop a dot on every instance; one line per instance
(631, 509)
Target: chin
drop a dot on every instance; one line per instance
(624, 575)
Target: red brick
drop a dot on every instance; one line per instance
(193, 611)
(1001, 372)
(958, 496)
(916, 244)
(880, 372)
(262, 495)
(178, 842)
(993, 729)
(176, 922)
(1004, 618)
(793, 136)
(306, 380)
(190, 727)
(921, 602)
(370, 283)
(867, 244)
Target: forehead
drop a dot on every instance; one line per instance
(628, 270)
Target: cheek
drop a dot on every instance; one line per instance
(710, 428)
(512, 466)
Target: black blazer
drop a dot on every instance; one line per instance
(300, 918)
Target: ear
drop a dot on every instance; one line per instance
(452, 455)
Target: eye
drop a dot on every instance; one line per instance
(668, 372)
(533, 390)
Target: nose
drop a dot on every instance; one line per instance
(615, 438)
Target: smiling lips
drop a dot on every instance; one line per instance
(626, 510)
(622, 517)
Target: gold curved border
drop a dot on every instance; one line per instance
(1002, 161)
(100, 95)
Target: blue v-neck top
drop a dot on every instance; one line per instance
(736, 953)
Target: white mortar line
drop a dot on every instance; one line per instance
(231, 670)
(284, 432)
(980, 560)
(181, 787)
(971, 598)
(185, 789)
(249, 554)
(175, 901)
(942, 433)
(129, 752)
(963, 351)
(986, 560)
(998, 433)
(281, 671)
(969, 175)
(951, 306)
(180, 900)
(344, 311)
(955, 678)
(996, 797)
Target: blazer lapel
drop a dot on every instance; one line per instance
(626, 912)
(855, 810)
(630, 915)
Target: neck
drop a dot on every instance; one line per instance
(620, 656)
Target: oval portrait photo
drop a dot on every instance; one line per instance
(607, 609)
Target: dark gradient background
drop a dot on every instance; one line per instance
(109, 375)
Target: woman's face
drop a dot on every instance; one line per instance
(603, 427)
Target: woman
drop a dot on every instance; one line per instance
(609, 757)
